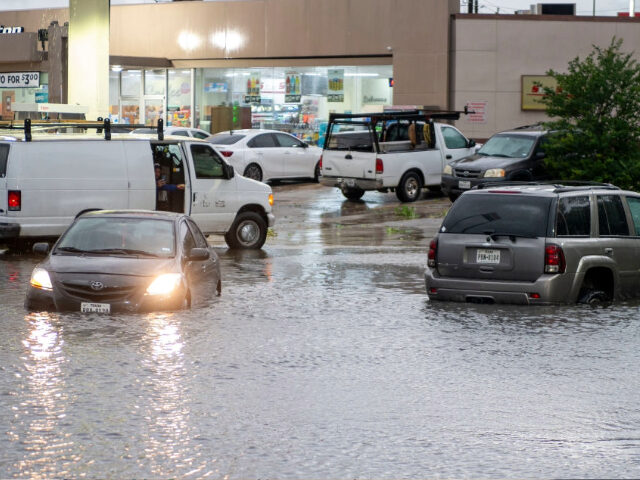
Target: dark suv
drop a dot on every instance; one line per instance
(515, 155)
(538, 244)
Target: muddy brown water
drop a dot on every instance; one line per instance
(322, 359)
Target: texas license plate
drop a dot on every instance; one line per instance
(484, 255)
(464, 184)
(95, 307)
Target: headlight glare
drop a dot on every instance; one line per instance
(164, 284)
(494, 172)
(40, 279)
(447, 170)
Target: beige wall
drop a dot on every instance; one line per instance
(490, 54)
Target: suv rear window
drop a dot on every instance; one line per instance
(4, 154)
(506, 214)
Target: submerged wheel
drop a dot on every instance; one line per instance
(249, 231)
(410, 187)
(352, 193)
(594, 298)
(253, 171)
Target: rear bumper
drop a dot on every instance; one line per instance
(552, 290)
(350, 182)
(9, 231)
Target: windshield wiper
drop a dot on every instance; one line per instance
(501, 155)
(69, 249)
(125, 251)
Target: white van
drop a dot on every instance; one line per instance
(47, 180)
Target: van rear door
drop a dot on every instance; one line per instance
(4, 160)
(350, 151)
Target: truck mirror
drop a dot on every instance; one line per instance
(229, 171)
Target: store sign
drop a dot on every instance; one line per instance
(292, 87)
(20, 80)
(336, 86)
(215, 87)
(533, 90)
(253, 89)
(477, 112)
(4, 29)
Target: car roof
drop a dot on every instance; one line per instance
(247, 131)
(549, 189)
(140, 214)
(49, 137)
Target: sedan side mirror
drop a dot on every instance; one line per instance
(198, 254)
(40, 248)
(305, 145)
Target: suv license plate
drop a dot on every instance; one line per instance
(487, 256)
(95, 307)
(464, 184)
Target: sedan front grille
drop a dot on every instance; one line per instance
(464, 173)
(107, 294)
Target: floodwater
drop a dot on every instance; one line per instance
(323, 358)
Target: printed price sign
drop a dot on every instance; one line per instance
(292, 88)
(20, 80)
(336, 86)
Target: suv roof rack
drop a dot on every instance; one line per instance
(417, 114)
(558, 185)
(100, 125)
(537, 125)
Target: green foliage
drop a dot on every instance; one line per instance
(595, 119)
(406, 211)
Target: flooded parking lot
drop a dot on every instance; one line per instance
(323, 358)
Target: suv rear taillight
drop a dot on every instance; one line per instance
(554, 259)
(226, 153)
(379, 166)
(433, 250)
(14, 200)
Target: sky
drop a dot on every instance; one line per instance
(583, 7)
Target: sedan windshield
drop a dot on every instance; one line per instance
(120, 236)
(225, 139)
(510, 146)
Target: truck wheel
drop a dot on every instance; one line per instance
(410, 187)
(594, 298)
(352, 193)
(253, 171)
(249, 231)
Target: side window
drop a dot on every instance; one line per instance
(4, 154)
(265, 140)
(186, 238)
(201, 135)
(180, 133)
(206, 162)
(611, 217)
(200, 240)
(634, 206)
(453, 139)
(288, 141)
(573, 217)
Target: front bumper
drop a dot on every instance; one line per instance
(551, 289)
(459, 185)
(271, 219)
(351, 182)
(9, 231)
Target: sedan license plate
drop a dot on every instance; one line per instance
(484, 255)
(464, 184)
(95, 307)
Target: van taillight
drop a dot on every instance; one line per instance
(554, 259)
(226, 153)
(379, 166)
(320, 163)
(433, 250)
(14, 200)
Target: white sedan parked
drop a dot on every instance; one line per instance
(180, 131)
(268, 154)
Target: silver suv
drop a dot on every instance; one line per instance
(538, 244)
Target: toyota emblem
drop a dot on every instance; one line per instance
(465, 173)
(97, 286)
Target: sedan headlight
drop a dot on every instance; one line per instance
(447, 170)
(164, 284)
(40, 279)
(494, 172)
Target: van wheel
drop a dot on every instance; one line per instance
(352, 193)
(317, 173)
(253, 171)
(249, 231)
(410, 187)
(594, 298)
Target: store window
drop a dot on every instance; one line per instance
(179, 98)
(131, 83)
(35, 91)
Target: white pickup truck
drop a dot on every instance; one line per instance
(391, 151)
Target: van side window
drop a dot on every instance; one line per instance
(611, 217)
(574, 217)
(206, 162)
(634, 206)
(453, 139)
(4, 155)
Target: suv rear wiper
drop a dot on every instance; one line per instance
(512, 236)
(125, 251)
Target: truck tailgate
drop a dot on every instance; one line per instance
(344, 163)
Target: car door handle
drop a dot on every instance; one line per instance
(204, 268)
(448, 157)
(194, 197)
(348, 157)
(608, 251)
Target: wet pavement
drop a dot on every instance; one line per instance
(323, 358)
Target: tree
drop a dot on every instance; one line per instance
(595, 119)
